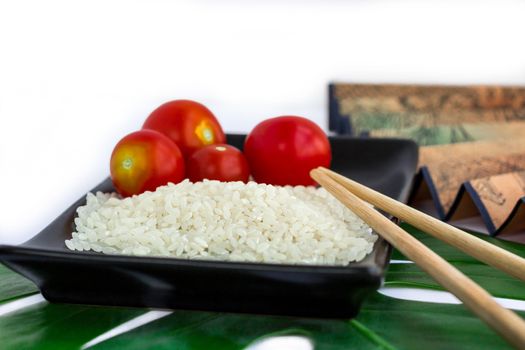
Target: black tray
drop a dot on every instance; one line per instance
(316, 291)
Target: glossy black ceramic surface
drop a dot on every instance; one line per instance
(315, 291)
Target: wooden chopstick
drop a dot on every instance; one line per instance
(488, 253)
(509, 325)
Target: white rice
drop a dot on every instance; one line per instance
(214, 220)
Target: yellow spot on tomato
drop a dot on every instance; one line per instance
(130, 166)
(205, 133)
(127, 163)
(220, 148)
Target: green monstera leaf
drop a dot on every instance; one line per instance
(494, 281)
(13, 285)
(383, 323)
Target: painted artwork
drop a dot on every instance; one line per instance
(472, 138)
(490, 172)
(430, 115)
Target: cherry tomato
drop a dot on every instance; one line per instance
(145, 160)
(188, 123)
(218, 162)
(283, 150)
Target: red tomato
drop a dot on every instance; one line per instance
(218, 162)
(143, 161)
(283, 150)
(188, 123)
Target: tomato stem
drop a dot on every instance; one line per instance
(127, 163)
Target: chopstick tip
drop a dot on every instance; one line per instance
(314, 173)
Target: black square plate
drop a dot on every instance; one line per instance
(66, 276)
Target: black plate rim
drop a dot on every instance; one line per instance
(377, 268)
(218, 264)
(356, 279)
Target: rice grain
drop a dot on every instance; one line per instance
(234, 221)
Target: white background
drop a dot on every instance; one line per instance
(77, 76)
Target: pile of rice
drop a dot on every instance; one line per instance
(214, 220)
